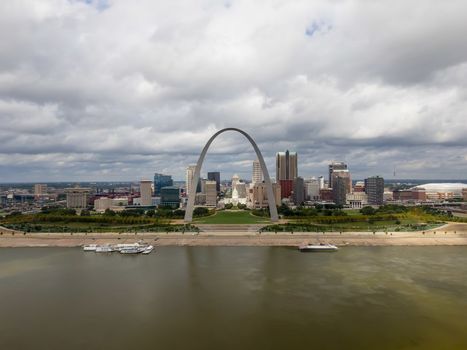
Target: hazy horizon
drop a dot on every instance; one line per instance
(136, 181)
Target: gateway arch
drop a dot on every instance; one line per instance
(267, 180)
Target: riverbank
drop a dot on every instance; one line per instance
(451, 234)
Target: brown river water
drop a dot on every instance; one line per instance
(234, 298)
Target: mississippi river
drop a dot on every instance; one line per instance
(234, 298)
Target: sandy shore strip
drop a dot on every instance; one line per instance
(239, 239)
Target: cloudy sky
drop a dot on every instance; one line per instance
(102, 90)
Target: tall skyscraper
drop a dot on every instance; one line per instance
(286, 165)
(299, 191)
(146, 192)
(335, 166)
(190, 173)
(215, 176)
(341, 185)
(161, 180)
(374, 188)
(286, 171)
(257, 176)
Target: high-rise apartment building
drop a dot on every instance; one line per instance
(257, 176)
(77, 198)
(312, 187)
(259, 195)
(190, 173)
(286, 165)
(161, 180)
(145, 192)
(40, 190)
(215, 176)
(210, 188)
(374, 188)
(335, 166)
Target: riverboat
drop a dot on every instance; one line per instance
(322, 247)
(90, 247)
(132, 250)
(124, 248)
(104, 249)
(148, 249)
(120, 246)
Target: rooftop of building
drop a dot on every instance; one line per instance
(442, 187)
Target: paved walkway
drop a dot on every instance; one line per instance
(241, 235)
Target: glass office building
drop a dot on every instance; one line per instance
(161, 180)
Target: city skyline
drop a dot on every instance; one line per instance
(294, 171)
(378, 87)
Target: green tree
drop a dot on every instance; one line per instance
(368, 210)
(200, 211)
(109, 212)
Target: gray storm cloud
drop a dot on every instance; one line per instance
(116, 90)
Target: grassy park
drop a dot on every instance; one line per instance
(384, 225)
(392, 218)
(58, 221)
(315, 219)
(238, 217)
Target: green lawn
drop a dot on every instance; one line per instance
(232, 217)
(352, 212)
(389, 225)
